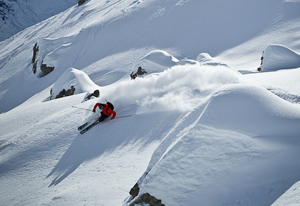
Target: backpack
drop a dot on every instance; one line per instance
(110, 105)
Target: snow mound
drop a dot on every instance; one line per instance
(277, 57)
(206, 59)
(208, 153)
(157, 61)
(73, 78)
(185, 169)
(160, 60)
(252, 109)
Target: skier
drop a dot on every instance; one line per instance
(107, 110)
(88, 96)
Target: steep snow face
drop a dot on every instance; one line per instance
(212, 154)
(290, 197)
(57, 154)
(115, 32)
(19, 14)
(277, 57)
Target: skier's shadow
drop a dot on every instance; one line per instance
(85, 147)
(99, 140)
(82, 149)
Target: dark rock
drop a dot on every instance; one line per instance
(261, 61)
(33, 60)
(61, 94)
(46, 70)
(35, 50)
(80, 2)
(64, 93)
(135, 190)
(140, 72)
(95, 94)
(133, 75)
(70, 92)
(148, 199)
(34, 67)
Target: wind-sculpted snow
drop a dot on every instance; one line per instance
(161, 57)
(277, 57)
(252, 110)
(75, 78)
(18, 15)
(157, 61)
(227, 146)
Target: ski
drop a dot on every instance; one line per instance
(88, 127)
(123, 116)
(82, 108)
(83, 126)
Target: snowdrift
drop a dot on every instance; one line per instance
(160, 60)
(157, 61)
(206, 59)
(211, 155)
(277, 57)
(252, 110)
(73, 78)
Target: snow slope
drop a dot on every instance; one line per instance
(206, 128)
(19, 14)
(291, 197)
(212, 158)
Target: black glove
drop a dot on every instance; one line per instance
(111, 118)
(94, 110)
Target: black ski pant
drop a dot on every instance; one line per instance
(102, 117)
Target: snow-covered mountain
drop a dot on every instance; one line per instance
(17, 15)
(205, 126)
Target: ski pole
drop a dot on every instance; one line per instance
(82, 108)
(123, 116)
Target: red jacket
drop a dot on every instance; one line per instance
(106, 110)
